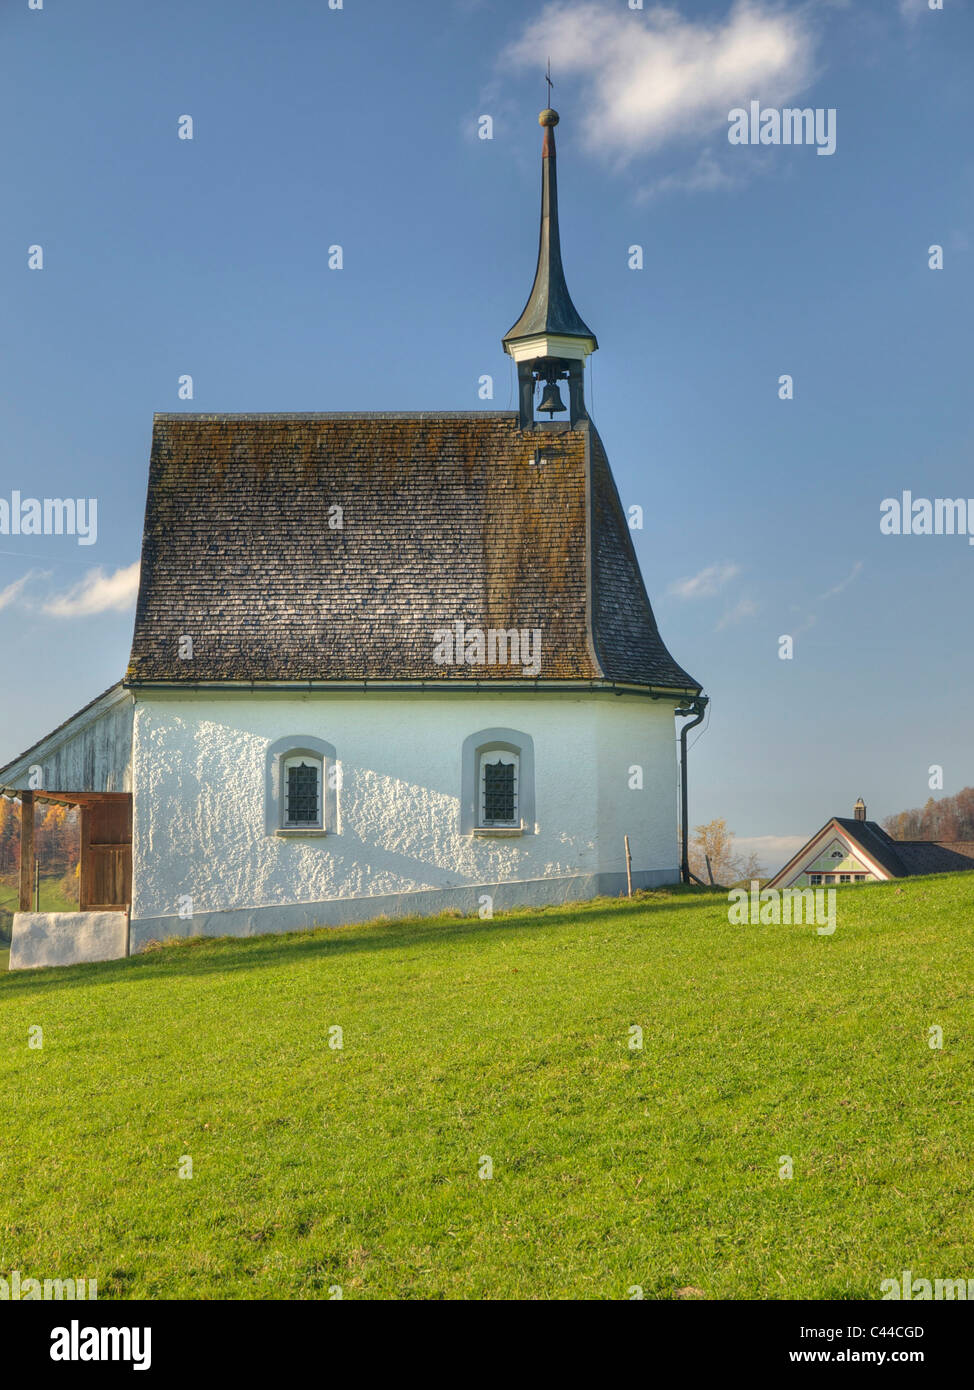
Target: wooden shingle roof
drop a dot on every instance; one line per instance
(936, 856)
(907, 858)
(871, 836)
(444, 517)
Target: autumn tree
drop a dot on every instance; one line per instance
(9, 837)
(950, 818)
(714, 842)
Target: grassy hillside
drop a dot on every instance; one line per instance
(358, 1167)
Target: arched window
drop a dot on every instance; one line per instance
(301, 787)
(497, 783)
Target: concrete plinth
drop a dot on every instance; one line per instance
(66, 938)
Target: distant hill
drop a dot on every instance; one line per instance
(950, 818)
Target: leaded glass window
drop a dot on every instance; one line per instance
(302, 793)
(498, 788)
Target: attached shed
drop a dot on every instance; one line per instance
(90, 752)
(86, 763)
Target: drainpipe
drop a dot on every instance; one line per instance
(697, 706)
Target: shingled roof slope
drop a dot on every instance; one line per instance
(445, 517)
(627, 640)
(907, 858)
(936, 856)
(875, 841)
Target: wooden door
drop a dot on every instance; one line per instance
(106, 854)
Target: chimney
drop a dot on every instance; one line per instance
(859, 810)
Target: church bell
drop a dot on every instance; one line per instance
(551, 401)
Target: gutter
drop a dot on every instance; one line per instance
(697, 705)
(654, 692)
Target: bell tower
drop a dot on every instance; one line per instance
(550, 341)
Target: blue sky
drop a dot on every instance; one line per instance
(359, 127)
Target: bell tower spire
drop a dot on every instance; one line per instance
(550, 341)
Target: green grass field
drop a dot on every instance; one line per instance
(359, 1167)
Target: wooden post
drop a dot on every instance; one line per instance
(84, 878)
(37, 884)
(26, 850)
(628, 867)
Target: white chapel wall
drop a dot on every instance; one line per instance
(199, 806)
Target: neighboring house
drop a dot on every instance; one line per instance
(860, 851)
(382, 663)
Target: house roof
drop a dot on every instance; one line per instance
(936, 856)
(871, 836)
(899, 858)
(445, 517)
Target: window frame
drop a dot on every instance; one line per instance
(511, 741)
(284, 752)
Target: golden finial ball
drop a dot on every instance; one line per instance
(548, 117)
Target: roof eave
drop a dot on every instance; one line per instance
(569, 685)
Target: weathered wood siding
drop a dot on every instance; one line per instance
(90, 754)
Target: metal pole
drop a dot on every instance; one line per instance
(628, 867)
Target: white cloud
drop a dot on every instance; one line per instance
(810, 621)
(97, 592)
(705, 176)
(13, 591)
(653, 76)
(773, 851)
(705, 584)
(844, 583)
(912, 9)
(744, 608)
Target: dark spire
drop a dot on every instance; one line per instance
(549, 310)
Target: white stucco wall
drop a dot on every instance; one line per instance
(66, 938)
(199, 796)
(630, 736)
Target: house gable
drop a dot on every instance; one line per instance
(819, 856)
(838, 856)
(850, 846)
